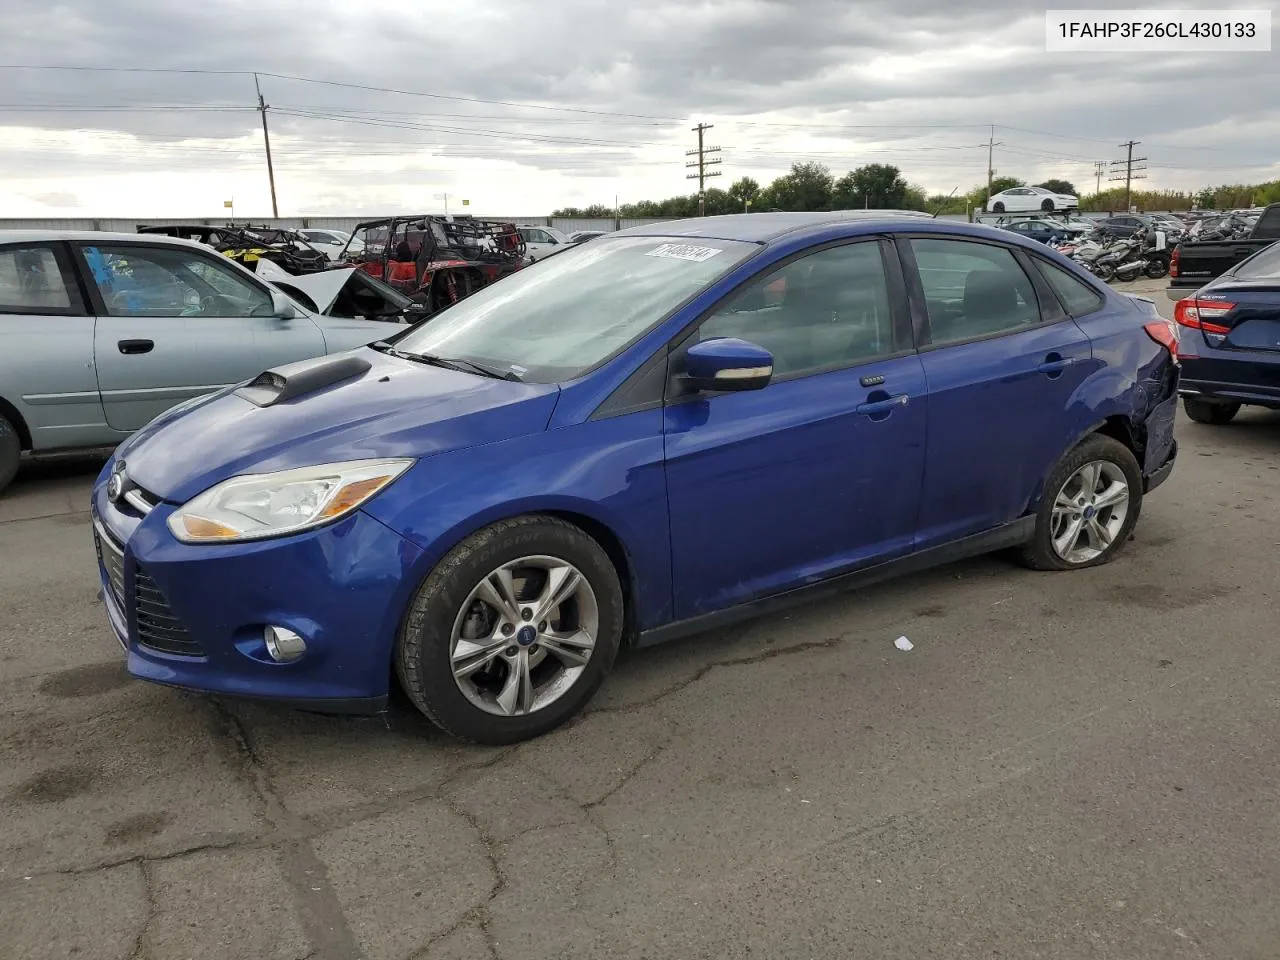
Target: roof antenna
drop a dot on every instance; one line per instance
(944, 202)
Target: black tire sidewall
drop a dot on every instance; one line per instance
(1039, 552)
(1207, 411)
(998, 208)
(10, 452)
(423, 654)
(1047, 206)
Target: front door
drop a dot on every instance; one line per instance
(818, 472)
(1002, 377)
(177, 322)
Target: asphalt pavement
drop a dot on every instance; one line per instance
(1079, 765)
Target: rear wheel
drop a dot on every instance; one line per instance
(1091, 504)
(513, 632)
(1046, 206)
(1210, 411)
(10, 451)
(1155, 269)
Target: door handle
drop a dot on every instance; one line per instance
(1054, 364)
(872, 408)
(136, 346)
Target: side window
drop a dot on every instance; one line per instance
(973, 290)
(145, 281)
(33, 281)
(1076, 295)
(826, 310)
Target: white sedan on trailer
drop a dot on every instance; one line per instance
(1026, 199)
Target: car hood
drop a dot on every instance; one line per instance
(395, 408)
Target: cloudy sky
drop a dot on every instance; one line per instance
(520, 107)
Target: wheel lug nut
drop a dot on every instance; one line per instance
(543, 626)
(511, 651)
(526, 613)
(508, 629)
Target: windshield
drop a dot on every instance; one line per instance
(558, 318)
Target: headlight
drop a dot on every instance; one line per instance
(270, 504)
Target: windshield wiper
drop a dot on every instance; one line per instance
(451, 363)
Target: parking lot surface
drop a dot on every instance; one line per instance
(1065, 765)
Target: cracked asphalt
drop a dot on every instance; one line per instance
(1064, 766)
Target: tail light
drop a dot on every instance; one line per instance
(1199, 314)
(1164, 333)
(1173, 260)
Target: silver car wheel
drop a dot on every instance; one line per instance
(1089, 511)
(524, 635)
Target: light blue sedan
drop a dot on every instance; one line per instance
(101, 332)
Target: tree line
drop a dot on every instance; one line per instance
(880, 186)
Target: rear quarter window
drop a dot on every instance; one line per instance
(1077, 296)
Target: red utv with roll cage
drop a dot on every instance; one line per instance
(436, 260)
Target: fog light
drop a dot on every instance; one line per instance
(283, 645)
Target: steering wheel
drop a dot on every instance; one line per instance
(216, 305)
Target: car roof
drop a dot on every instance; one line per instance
(88, 236)
(763, 227)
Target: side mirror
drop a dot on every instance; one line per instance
(728, 363)
(282, 307)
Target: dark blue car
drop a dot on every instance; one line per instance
(1231, 350)
(649, 435)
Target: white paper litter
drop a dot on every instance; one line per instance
(902, 643)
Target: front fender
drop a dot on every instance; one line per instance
(609, 471)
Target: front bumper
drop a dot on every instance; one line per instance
(193, 616)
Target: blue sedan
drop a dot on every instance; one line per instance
(656, 433)
(1231, 347)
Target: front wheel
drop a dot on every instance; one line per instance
(513, 632)
(1155, 269)
(1091, 504)
(1046, 206)
(997, 207)
(1209, 411)
(1104, 272)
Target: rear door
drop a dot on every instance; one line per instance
(175, 322)
(1001, 371)
(46, 348)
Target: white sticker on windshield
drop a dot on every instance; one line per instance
(683, 251)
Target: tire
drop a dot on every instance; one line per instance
(1210, 411)
(1104, 272)
(997, 207)
(1046, 206)
(1155, 269)
(1116, 464)
(10, 451)
(470, 707)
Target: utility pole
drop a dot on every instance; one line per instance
(1131, 172)
(702, 163)
(266, 140)
(991, 173)
(1099, 168)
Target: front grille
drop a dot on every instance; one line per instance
(111, 556)
(158, 628)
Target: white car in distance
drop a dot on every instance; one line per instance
(1027, 199)
(542, 241)
(330, 242)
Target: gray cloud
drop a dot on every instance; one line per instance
(906, 81)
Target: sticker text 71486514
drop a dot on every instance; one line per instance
(683, 251)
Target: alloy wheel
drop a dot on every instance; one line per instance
(1089, 511)
(524, 635)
